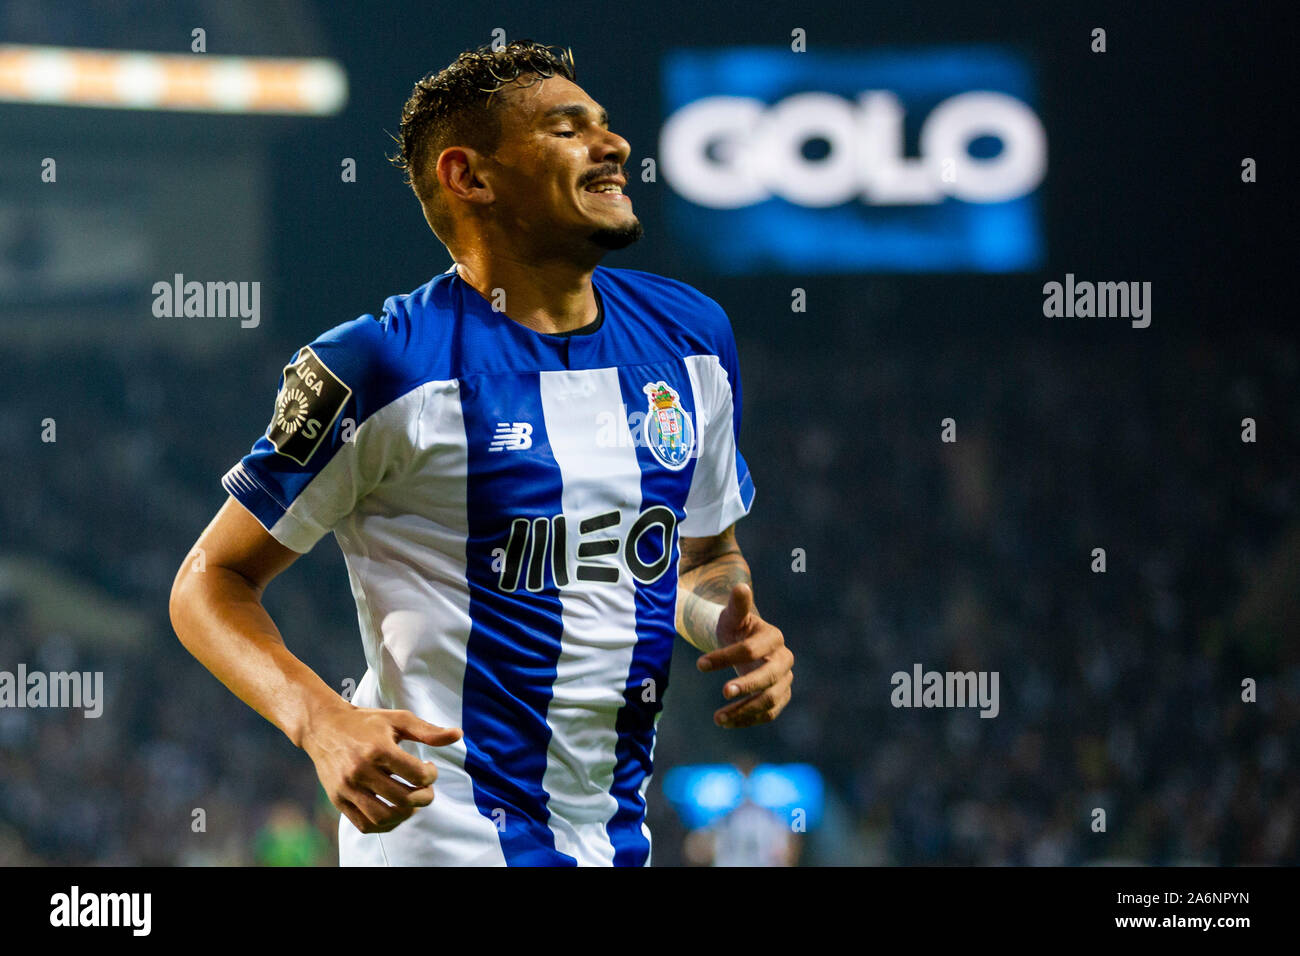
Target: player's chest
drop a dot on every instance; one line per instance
(611, 435)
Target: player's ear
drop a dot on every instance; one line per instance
(459, 171)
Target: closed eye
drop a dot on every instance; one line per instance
(567, 132)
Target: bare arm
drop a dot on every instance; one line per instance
(216, 609)
(716, 614)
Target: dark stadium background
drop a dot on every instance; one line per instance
(1120, 690)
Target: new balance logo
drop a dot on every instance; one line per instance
(512, 436)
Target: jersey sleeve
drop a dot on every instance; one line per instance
(722, 490)
(337, 430)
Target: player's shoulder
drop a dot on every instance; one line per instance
(424, 311)
(674, 297)
(386, 353)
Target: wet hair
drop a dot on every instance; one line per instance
(458, 106)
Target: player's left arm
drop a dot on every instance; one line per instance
(716, 615)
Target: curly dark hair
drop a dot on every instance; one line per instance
(457, 107)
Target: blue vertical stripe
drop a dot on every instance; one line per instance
(655, 603)
(514, 641)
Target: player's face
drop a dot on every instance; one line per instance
(560, 168)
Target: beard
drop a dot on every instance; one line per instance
(618, 237)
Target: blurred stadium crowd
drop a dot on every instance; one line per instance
(1120, 691)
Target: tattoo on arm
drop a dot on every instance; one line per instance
(709, 569)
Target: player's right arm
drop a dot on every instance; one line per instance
(216, 609)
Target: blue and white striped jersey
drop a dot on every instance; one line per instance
(508, 503)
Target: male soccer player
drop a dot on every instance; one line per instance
(511, 458)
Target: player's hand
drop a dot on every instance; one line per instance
(757, 650)
(358, 758)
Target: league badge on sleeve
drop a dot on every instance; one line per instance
(668, 431)
(310, 399)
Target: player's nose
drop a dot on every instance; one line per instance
(611, 148)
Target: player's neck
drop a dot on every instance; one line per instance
(549, 296)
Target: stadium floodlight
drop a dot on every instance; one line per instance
(122, 79)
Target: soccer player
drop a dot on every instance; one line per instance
(530, 463)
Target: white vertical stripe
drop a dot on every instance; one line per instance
(714, 500)
(599, 618)
(414, 609)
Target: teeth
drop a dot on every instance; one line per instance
(605, 188)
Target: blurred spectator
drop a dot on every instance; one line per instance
(289, 839)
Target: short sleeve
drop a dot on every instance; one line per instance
(722, 490)
(336, 431)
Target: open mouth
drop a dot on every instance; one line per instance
(606, 189)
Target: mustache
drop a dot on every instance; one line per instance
(601, 172)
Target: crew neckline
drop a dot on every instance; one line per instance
(591, 327)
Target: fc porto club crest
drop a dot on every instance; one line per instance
(668, 431)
